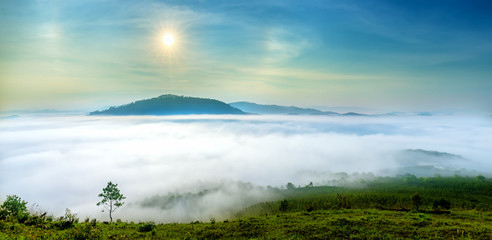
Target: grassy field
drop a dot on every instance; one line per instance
(324, 224)
(384, 208)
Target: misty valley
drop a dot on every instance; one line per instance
(266, 119)
(248, 176)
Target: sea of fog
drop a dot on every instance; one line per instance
(61, 162)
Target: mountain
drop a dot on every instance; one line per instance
(420, 157)
(424, 163)
(275, 109)
(171, 105)
(353, 114)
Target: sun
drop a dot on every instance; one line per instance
(168, 39)
(168, 43)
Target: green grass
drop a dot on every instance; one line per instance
(324, 224)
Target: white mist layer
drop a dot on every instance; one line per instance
(64, 162)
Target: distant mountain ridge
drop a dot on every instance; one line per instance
(425, 163)
(170, 104)
(276, 109)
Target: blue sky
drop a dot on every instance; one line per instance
(395, 55)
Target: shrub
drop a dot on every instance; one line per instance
(71, 217)
(146, 227)
(83, 231)
(15, 207)
(68, 220)
(417, 200)
(284, 204)
(3, 214)
(14, 204)
(441, 204)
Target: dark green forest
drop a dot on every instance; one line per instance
(404, 207)
(171, 105)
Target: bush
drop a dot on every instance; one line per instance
(441, 204)
(15, 207)
(3, 214)
(22, 217)
(284, 204)
(417, 200)
(70, 217)
(146, 227)
(83, 231)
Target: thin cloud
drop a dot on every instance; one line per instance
(282, 44)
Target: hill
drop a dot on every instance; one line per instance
(424, 163)
(276, 109)
(171, 105)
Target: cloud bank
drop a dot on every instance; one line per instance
(65, 161)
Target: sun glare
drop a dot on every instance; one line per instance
(168, 39)
(168, 43)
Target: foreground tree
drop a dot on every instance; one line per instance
(112, 199)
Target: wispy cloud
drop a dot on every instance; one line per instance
(306, 74)
(282, 44)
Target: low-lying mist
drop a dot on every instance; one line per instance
(184, 168)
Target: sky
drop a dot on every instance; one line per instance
(395, 55)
